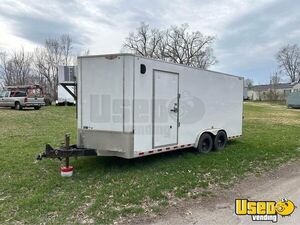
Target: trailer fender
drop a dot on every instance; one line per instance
(212, 131)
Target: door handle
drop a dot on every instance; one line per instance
(175, 110)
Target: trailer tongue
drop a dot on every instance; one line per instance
(65, 152)
(62, 152)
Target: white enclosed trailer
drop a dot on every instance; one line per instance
(64, 97)
(66, 77)
(131, 106)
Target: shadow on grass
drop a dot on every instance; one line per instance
(111, 162)
(108, 164)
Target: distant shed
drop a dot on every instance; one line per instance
(293, 100)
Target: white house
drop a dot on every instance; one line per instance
(264, 92)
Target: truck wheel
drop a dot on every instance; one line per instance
(37, 107)
(205, 143)
(18, 106)
(220, 140)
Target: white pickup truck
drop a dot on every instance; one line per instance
(20, 99)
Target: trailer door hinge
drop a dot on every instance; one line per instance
(178, 95)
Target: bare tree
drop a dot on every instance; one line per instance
(22, 66)
(56, 52)
(274, 82)
(144, 42)
(189, 48)
(175, 44)
(288, 58)
(46, 62)
(16, 68)
(66, 47)
(85, 52)
(248, 83)
(4, 71)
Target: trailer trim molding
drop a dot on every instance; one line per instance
(166, 148)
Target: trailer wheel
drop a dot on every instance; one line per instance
(220, 140)
(18, 106)
(205, 143)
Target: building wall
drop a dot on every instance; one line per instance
(296, 87)
(263, 95)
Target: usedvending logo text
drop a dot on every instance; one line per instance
(264, 210)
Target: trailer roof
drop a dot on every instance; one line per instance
(159, 60)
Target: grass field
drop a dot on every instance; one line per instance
(102, 189)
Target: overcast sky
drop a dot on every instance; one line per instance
(249, 33)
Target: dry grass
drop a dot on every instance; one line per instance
(276, 114)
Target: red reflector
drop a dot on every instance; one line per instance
(150, 152)
(182, 146)
(167, 148)
(66, 169)
(141, 153)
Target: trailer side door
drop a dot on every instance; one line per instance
(165, 108)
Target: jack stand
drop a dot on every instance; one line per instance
(67, 171)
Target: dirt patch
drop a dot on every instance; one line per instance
(80, 216)
(281, 182)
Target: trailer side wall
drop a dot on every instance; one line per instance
(208, 100)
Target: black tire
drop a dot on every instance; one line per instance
(205, 144)
(18, 106)
(220, 140)
(37, 107)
